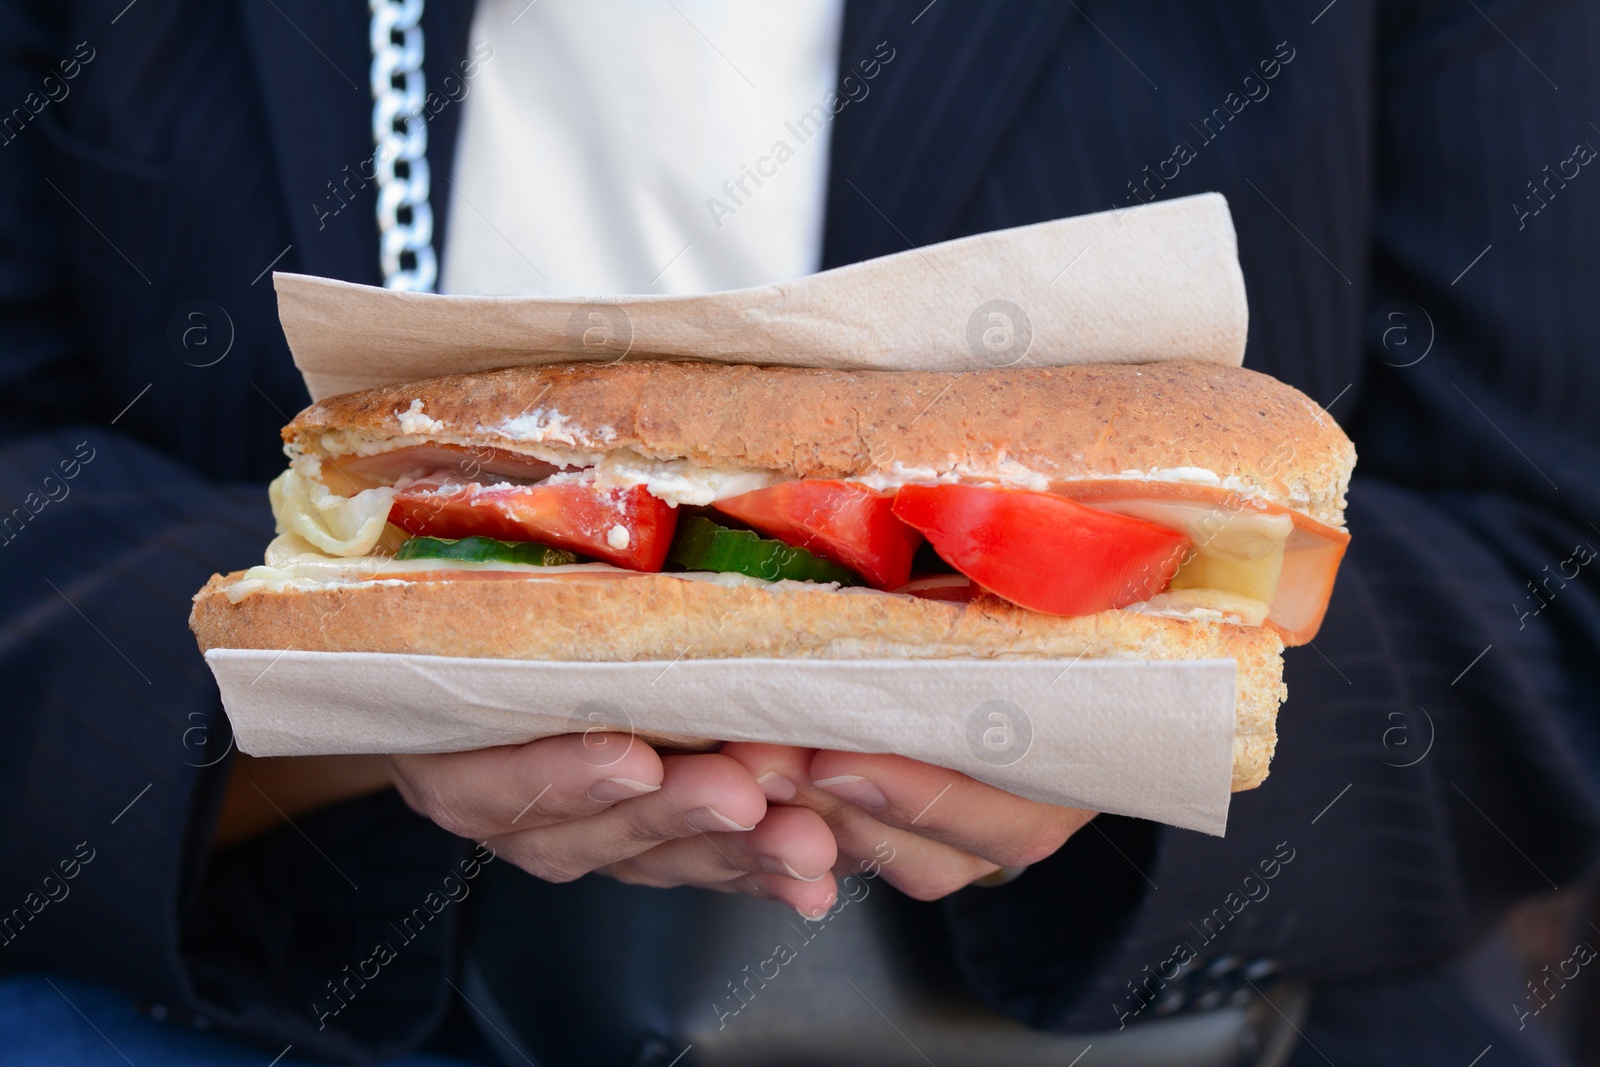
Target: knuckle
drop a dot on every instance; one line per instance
(409, 794)
(718, 866)
(1026, 854)
(938, 884)
(922, 889)
(447, 810)
(643, 875)
(560, 873)
(647, 824)
(841, 816)
(547, 865)
(556, 808)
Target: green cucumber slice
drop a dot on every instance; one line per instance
(485, 550)
(702, 545)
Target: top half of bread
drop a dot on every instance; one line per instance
(1193, 421)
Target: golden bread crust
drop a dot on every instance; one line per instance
(1064, 423)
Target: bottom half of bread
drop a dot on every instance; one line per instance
(661, 617)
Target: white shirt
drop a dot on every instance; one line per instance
(642, 146)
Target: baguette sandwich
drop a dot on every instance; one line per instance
(656, 511)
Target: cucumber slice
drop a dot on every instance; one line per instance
(702, 545)
(485, 550)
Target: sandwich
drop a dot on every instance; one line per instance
(660, 511)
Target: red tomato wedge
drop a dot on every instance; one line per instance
(627, 527)
(844, 522)
(1042, 551)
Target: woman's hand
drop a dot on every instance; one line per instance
(946, 830)
(567, 806)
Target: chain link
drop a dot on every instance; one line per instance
(400, 133)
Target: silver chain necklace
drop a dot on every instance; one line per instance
(400, 132)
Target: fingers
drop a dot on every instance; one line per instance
(918, 866)
(782, 771)
(928, 831)
(947, 807)
(787, 857)
(494, 791)
(565, 806)
(698, 794)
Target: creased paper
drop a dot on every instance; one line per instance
(1155, 282)
(1149, 739)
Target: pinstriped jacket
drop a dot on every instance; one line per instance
(1417, 225)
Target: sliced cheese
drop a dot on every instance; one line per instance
(1234, 550)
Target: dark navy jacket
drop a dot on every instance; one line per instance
(1419, 227)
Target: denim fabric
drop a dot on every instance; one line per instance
(54, 1021)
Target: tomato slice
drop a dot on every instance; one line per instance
(627, 527)
(844, 522)
(1042, 551)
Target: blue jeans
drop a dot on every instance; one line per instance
(50, 1021)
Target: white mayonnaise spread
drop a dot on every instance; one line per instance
(1010, 474)
(447, 484)
(1190, 476)
(677, 481)
(1215, 605)
(1007, 473)
(413, 421)
(544, 425)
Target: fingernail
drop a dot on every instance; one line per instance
(607, 790)
(773, 865)
(712, 820)
(777, 787)
(854, 788)
(820, 912)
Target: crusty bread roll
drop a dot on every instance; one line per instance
(1060, 422)
(1199, 425)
